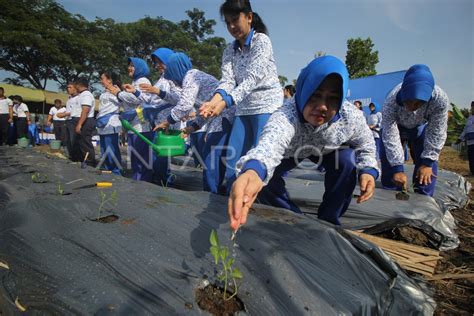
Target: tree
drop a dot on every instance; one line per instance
(197, 26)
(360, 58)
(31, 33)
(40, 41)
(283, 80)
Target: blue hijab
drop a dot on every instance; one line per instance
(418, 84)
(313, 74)
(163, 54)
(178, 65)
(141, 68)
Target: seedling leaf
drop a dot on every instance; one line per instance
(213, 239)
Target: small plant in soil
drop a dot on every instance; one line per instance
(39, 178)
(228, 273)
(104, 199)
(60, 189)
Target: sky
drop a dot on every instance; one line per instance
(439, 33)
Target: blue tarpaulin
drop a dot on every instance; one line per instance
(374, 88)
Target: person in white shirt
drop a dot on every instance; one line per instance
(108, 124)
(85, 125)
(59, 123)
(249, 81)
(21, 116)
(141, 155)
(72, 107)
(6, 116)
(374, 120)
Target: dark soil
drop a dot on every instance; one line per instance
(456, 296)
(106, 219)
(211, 300)
(409, 235)
(453, 296)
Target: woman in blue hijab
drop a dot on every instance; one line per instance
(419, 109)
(157, 101)
(196, 87)
(141, 154)
(317, 124)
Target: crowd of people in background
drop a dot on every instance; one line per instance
(246, 131)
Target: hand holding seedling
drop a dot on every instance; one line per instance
(243, 194)
(186, 131)
(221, 253)
(400, 179)
(367, 187)
(424, 175)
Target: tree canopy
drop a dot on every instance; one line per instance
(361, 59)
(41, 41)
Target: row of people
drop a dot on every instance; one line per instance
(266, 140)
(13, 113)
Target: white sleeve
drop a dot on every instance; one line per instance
(275, 139)
(436, 131)
(227, 82)
(390, 132)
(260, 53)
(188, 98)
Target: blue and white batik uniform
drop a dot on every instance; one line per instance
(197, 88)
(140, 153)
(109, 128)
(250, 83)
(343, 146)
(426, 128)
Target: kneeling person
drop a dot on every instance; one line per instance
(318, 124)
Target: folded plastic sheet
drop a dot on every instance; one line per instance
(430, 215)
(151, 259)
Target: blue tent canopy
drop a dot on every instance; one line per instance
(374, 88)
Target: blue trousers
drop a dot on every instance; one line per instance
(141, 157)
(339, 184)
(470, 155)
(244, 135)
(109, 146)
(161, 171)
(197, 144)
(214, 152)
(417, 137)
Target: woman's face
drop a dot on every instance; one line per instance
(159, 65)
(239, 25)
(131, 69)
(413, 105)
(324, 103)
(106, 82)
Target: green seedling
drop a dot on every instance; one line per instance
(60, 189)
(112, 199)
(39, 178)
(221, 254)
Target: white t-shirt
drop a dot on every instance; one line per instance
(20, 109)
(73, 107)
(54, 111)
(85, 98)
(4, 105)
